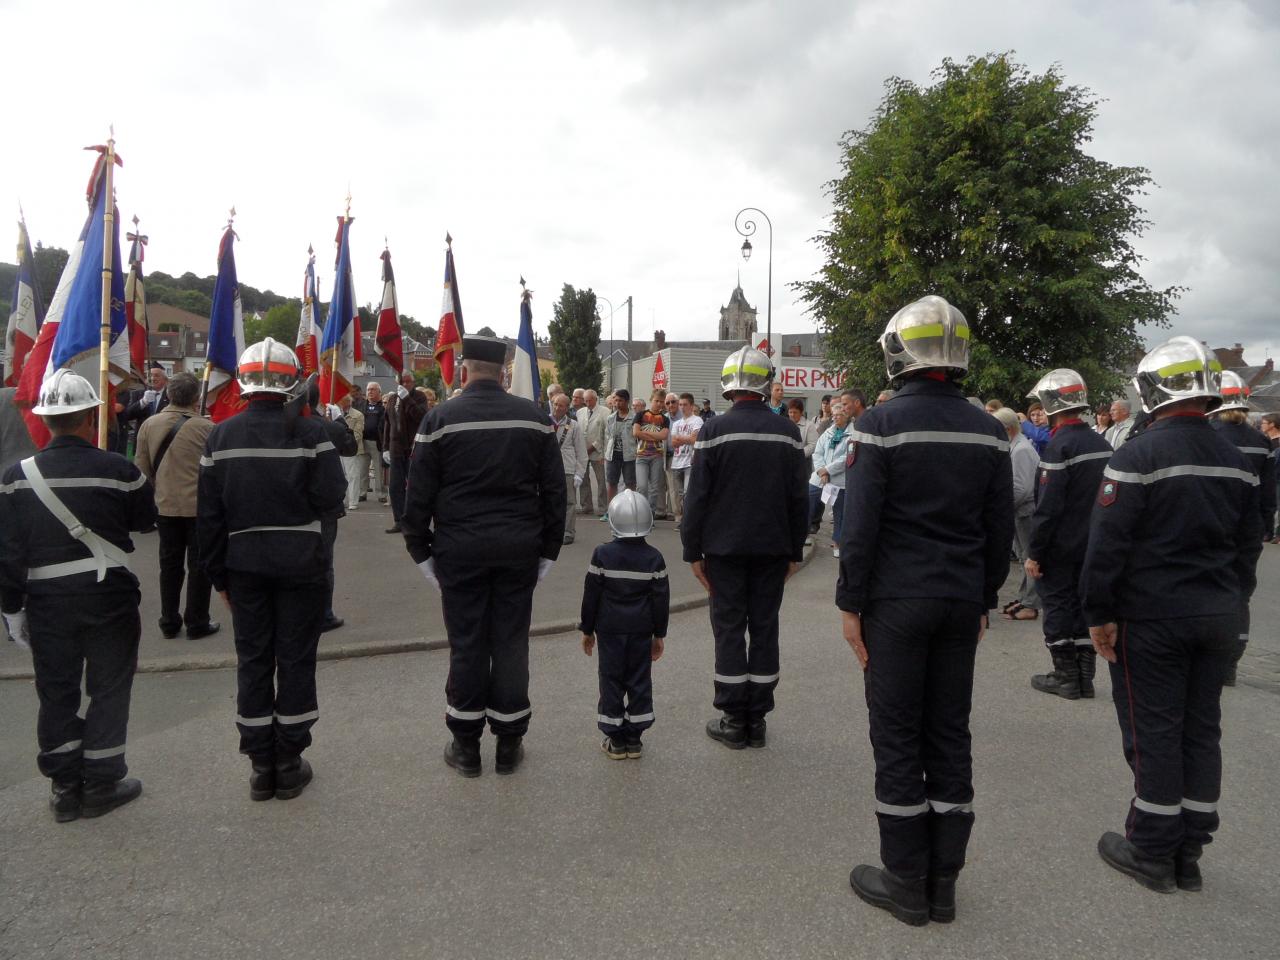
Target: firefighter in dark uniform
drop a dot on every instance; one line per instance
(745, 521)
(267, 480)
(925, 547)
(66, 590)
(1173, 541)
(484, 521)
(1232, 421)
(1070, 470)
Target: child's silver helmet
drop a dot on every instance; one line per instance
(630, 515)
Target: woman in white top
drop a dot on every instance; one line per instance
(828, 469)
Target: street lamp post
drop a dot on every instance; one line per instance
(610, 303)
(746, 228)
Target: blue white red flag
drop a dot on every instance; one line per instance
(226, 336)
(449, 331)
(135, 305)
(26, 313)
(340, 348)
(525, 381)
(388, 340)
(309, 333)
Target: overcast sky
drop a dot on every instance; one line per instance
(608, 145)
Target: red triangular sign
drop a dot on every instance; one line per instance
(659, 374)
(763, 346)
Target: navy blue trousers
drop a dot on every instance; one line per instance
(625, 709)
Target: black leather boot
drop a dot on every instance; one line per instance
(464, 756)
(508, 755)
(262, 779)
(1186, 867)
(731, 731)
(65, 800)
(292, 776)
(104, 796)
(1064, 681)
(1087, 661)
(757, 732)
(905, 899)
(940, 889)
(1153, 873)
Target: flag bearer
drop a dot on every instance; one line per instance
(67, 590)
(484, 519)
(1231, 420)
(745, 520)
(1173, 541)
(267, 480)
(1070, 472)
(928, 525)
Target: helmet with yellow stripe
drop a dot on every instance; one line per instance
(1235, 393)
(746, 369)
(1178, 369)
(929, 334)
(268, 367)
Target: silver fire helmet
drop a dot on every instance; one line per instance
(747, 369)
(929, 334)
(630, 515)
(65, 392)
(268, 367)
(1178, 369)
(1060, 391)
(1235, 393)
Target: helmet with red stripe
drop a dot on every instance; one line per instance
(1235, 393)
(1060, 391)
(268, 367)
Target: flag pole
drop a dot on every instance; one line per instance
(108, 221)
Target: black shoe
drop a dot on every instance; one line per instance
(65, 800)
(394, 529)
(730, 731)
(1186, 868)
(614, 749)
(756, 732)
(169, 632)
(508, 755)
(331, 623)
(363, 497)
(262, 781)
(635, 750)
(104, 796)
(1064, 681)
(463, 756)
(292, 777)
(208, 630)
(1087, 660)
(813, 527)
(905, 899)
(941, 891)
(1154, 874)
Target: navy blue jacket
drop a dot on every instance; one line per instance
(928, 508)
(1176, 529)
(104, 491)
(1257, 450)
(626, 590)
(748, 492)
(1070, 473)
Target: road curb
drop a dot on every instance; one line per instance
(378, 648)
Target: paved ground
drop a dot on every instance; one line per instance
(693, 851)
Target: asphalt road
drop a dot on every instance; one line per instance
(692, 851)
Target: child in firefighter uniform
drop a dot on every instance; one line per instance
(626, 603)
(67, 590)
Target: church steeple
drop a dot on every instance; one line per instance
(738, 319)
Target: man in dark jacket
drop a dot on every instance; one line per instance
(399, 428)
(745, 521)
(484, 520)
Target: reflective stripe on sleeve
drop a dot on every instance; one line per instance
(762, 678)
(612, 721)
(265, 453)
(1199, 806)
(1182, 470)
(639, 717)
(105, 753)
(1160, 809)
(254, 721)
(941, 806)
(509, 717)
(97, 483)
(298, 717)
(928, 436)
(71, 746)
(627, 574)
(444, 431)
(1255, 451)
(312, 527)
(741, 678)
(1070, 461)
(464, 714)
(899, 810)
(761, 437)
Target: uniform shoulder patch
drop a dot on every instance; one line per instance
(851, 456)
(1107, 492)
(1044, 477)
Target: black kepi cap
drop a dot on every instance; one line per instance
(484, 349)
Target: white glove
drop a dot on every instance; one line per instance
(401, 392)
(149, 397)
(428, 568)
(544, 567)
(577, 482)
(386, 457)
(335, 412)
(16, 624)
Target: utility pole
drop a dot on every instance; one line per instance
(629, 388)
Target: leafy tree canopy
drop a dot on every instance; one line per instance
(575, 335)
(485, 332)
(280, 323)
(978, 189)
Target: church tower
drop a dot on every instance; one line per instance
(738, 319)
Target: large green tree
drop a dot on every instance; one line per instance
(280, 323)
(575, 337)
(978, 188)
